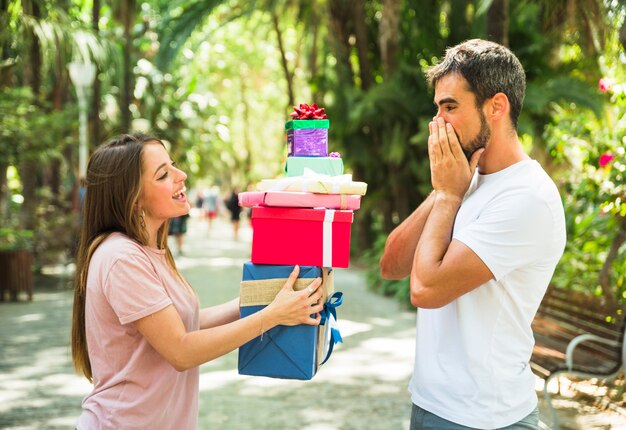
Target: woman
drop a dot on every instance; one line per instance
(137, 331)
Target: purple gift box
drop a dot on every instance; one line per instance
(307, 138)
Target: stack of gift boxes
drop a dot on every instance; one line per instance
(302, 219)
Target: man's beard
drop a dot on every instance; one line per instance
(480, 141)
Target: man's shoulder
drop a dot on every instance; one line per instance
(529, 180)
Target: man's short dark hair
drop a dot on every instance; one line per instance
(488, 68)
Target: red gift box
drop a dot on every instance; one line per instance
(307, 237)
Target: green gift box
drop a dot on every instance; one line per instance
(299, 124)
(331, 166)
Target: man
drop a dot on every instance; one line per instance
(480, 250)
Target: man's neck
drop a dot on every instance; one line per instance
(503, 150)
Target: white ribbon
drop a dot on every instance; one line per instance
(308, 178)
(331, 323)
(327, 238)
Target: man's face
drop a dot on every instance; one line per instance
(456, 104)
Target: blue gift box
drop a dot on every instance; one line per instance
(292, 352)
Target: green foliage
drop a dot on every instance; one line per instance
(208, 78)
(562, 106)
(400, 289)
(591, 150)
(15, 110)
(181, 19)
(57, 231)
(589, 236)
(15, 240)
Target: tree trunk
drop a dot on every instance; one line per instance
(314, 27)
(622, 35)
(362, 42)
(389, 36)
(4, 81)
(283, 58)
(4, 191)
(605, 274)
(94, 114)
(389, 49)
(6, 71)
(60, 90)
(498, 22)
(460, 27)
(247, 144)
(338, 12)
(127, 13)
(28, 167)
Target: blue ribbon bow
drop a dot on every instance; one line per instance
(327, 313)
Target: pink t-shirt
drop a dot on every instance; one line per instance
(134, 386)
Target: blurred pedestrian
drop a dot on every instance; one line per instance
(199, 198)
(210, 204)
(232, 204)
(178, 228)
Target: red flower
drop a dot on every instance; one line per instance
(605, 159)
(605, 85)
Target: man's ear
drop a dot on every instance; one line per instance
(498, 107)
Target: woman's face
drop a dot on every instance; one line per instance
(162, 193)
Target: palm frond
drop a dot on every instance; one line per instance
(185, 17)
(58, 34)
(483, 6)
(564, 89)
(403, 98)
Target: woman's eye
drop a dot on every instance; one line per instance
(163, 176)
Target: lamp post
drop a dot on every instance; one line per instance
(82, 76)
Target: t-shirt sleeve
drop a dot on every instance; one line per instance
(133, 288)
(510, 233)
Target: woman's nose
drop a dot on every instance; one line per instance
(181, 175)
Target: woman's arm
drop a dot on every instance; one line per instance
(219, 315)
(166, 332)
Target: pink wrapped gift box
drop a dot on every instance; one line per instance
(307, 237)
(299, 200)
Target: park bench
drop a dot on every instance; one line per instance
(577, 334)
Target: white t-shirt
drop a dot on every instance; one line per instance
(134, 386)
(472, 355)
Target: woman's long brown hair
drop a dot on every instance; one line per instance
(112, 189)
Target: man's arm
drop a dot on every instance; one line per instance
(397, 258)
(442, 269)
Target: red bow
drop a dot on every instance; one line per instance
(304, 111)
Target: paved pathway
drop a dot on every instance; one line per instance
(363, 386)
